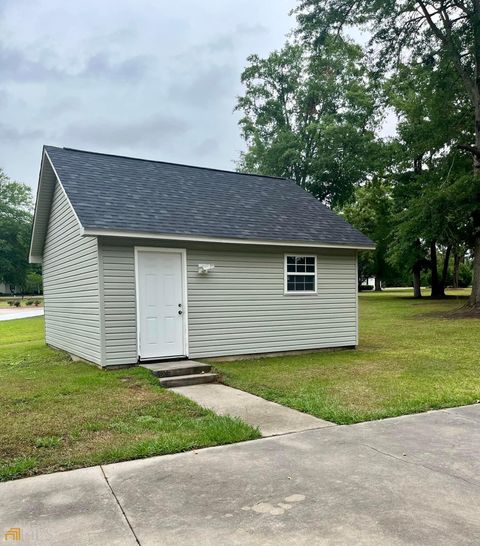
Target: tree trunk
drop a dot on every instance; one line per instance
(417, 289)
(437, 288)
(378, 284)
(456, 268)
(446, 263)
(474, 299)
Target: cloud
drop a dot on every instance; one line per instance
(16, 66)
(251, 30)
(19, 67)
(4, 98)
(158, 79)
(13, 135)
(207, 147)
(5, 5)
(205, 86)
(153, 131)
(64, 105)
(131, 69)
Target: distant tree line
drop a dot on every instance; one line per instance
(16, 206)
(314, 111)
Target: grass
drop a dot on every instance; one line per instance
(59, 415)
(411, 358)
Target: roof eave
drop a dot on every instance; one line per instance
(96, 232)
(31, 257)
(39, 228)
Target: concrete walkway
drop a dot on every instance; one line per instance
(270, 418)
(12, 314)
(404, 481)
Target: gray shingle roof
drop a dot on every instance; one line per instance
(135, 195)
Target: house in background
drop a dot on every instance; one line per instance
(8, 289)
(146, 260)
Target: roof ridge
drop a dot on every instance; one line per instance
(172, 163)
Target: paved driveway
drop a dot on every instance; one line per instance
(409, 480)
(15, 313)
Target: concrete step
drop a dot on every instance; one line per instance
(184, 380)
(181, 367)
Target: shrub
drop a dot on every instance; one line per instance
(29, 302)
(17, 303)
(37, 303)
(10, 302)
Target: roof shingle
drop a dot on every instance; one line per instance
(117, 193)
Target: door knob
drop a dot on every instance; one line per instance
(180, 312)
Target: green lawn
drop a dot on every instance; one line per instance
(411, 358)
(58, 415)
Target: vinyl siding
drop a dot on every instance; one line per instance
(240, 307)
(120, 323)
(71, 284)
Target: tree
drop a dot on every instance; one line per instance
(310, 116)
(432, 111)
(408, 30)
(15, 227)
(371, 213)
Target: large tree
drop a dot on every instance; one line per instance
(432, 112)
(15, 227)
(404, 31)
(310, 115)
(371, 213)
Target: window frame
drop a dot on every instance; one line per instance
(287, 292)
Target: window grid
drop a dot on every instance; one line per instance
(300, 274)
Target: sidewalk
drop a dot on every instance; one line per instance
(18, 313)
(412, 480)
(270, 418)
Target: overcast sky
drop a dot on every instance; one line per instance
(148, 78)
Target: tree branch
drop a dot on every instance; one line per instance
(447, 40)
(472, 149)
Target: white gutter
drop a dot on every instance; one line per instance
(206, 239)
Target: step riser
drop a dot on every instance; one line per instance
(182, 371)
(184, 381)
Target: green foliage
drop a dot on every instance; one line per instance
(312, 112)
(310, 116)
(465, 277)
(371, 213)
(15, 227)
(433, 113)
(399, 29)
(433, 51)
(33, 281)
(433, 188)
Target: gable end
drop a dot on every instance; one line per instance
(46, 186)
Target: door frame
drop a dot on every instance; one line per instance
(183, 255)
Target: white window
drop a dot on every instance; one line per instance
(300, 274)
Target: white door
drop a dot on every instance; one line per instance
(160, 304)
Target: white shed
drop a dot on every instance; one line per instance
(147, 260)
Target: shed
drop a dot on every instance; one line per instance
(148, 260)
